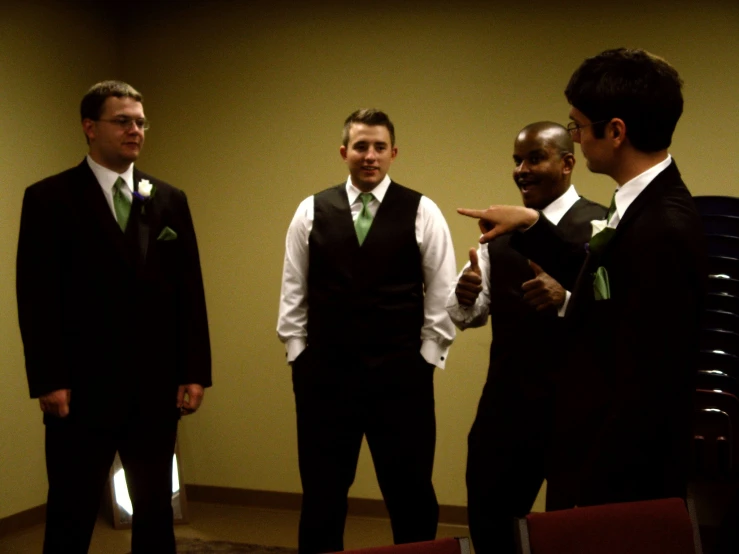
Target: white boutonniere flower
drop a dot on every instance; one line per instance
(598, 226)
(146, 190)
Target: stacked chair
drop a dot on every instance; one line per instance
(717, 382)
(716, 417)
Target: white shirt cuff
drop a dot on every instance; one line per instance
(563, 308)
(434, 353)
(294, 347)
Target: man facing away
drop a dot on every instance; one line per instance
(509, 441)
(115, 333)
(368, 268)
(624, 398)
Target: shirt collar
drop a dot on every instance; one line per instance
(107, 177)
(555, 211)
(378, 192)
(627, 193)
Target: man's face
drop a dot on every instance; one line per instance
(594, 150)
(113, 145)
(542, 175)
(368, 155)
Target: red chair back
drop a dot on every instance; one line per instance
(648, 527)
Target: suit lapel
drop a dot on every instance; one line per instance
(654, 191)
(143, 222)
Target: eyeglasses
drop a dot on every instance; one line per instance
(127, 123)
(574, 128)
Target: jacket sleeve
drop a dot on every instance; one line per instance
(192, 321)
(38, 285)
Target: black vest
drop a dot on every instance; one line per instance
(526, 342)
(370, 295)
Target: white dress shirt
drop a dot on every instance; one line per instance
(437, 258)
(477, 314)
(107, 178)
(627, 193)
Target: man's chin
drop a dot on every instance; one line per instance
(365, 185)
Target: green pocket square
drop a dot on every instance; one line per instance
(167, 234)
(601, 286)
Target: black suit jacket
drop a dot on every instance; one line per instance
(118, 318)
(625, 397)
(526, 343)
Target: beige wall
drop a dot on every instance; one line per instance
(47, 62)
(247, 104)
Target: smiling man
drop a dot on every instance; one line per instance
(368, 267)
(507, 455)
(624, 402)
(112, 314)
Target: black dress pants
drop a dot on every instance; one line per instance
(78, 460)
(390, 400)
(507, 456)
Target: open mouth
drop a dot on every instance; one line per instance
(526, 186)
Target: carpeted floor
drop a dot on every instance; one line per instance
(199, 546)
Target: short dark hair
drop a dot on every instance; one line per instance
(92, 103)
(633, 85)
(558, 135)
(369, 116)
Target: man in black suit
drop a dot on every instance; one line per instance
(368, 268)
(508, 444)
(112, 314)
(624, 399)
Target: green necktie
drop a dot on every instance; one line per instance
(121, 203)
(364, 219)
(612, 207)
(599, 240)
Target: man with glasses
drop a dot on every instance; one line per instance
(509, 440)
(624, 398)
(112, 315)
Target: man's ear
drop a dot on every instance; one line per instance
(617, 131)
(342, 151)
(88, 127)
(568, 163)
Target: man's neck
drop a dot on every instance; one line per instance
(635, 163)
(116, 168)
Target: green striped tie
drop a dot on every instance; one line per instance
(121, 203)
(364, 219)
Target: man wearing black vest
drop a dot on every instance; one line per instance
(368, 268)
(508, 443)
(624, 400)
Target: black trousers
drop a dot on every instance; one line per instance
(78, 460)
(388, 399)
(508, 450)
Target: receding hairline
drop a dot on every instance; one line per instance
(551, 134)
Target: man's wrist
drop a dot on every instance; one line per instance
(532, 218)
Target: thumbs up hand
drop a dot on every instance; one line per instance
(542, 291)
(469, 285)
